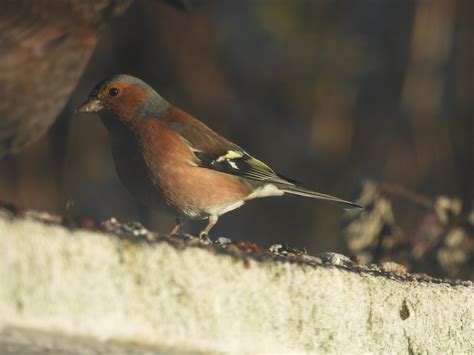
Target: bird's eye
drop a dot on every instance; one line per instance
(113, 91)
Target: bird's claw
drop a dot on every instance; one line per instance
(204, 236)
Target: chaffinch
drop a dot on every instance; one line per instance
(160, 150)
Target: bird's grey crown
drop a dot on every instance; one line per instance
(131, 80)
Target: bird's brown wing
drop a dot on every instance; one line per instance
(217, 153)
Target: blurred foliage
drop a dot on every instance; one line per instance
(440, 243)
(328, 92)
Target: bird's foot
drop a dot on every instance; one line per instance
(204, 236)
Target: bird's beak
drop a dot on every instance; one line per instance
(91, 105)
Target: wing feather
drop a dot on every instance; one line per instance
(217, 153)
(239, 163)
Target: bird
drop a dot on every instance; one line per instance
(160, 150)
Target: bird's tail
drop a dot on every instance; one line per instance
(296, 190)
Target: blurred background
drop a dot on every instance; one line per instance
(368, 100)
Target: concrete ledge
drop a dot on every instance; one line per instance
(168, 294)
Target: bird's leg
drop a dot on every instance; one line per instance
(179, 224)
(212, 222)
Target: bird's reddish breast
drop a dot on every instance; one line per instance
(172, 166)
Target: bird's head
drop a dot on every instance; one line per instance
(125, 98)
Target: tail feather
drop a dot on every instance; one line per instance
(296, 190)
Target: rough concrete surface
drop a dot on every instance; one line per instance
(163, 294)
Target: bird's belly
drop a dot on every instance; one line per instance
(199, 192)
(220, 210)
